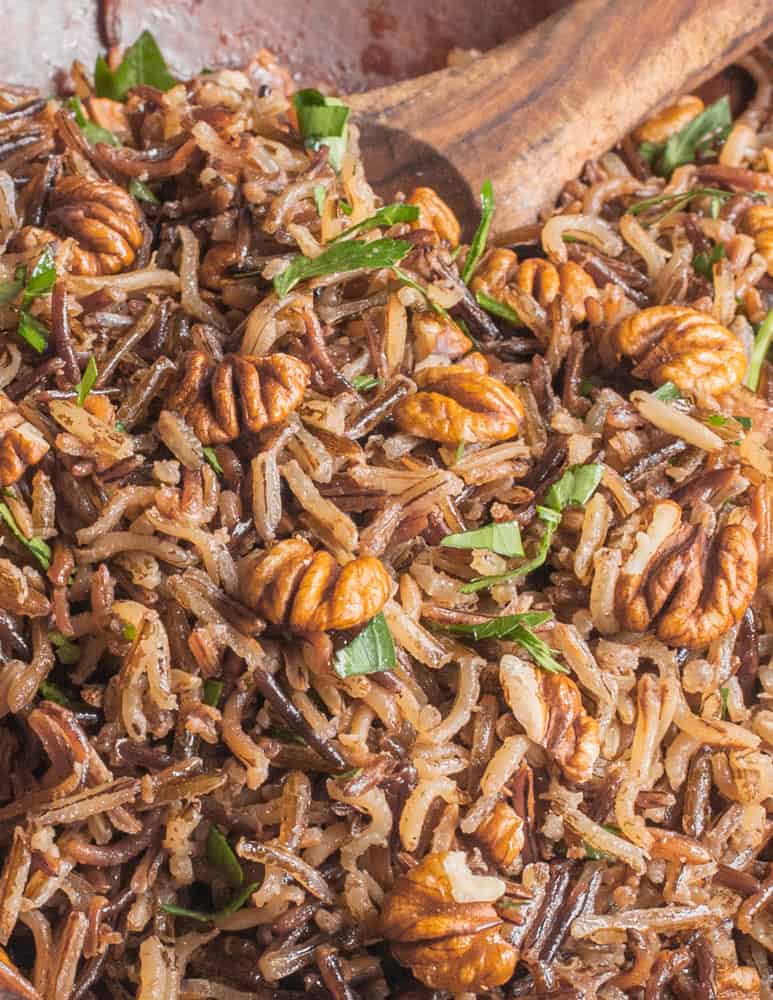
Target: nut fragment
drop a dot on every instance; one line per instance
(434, 334)
(435, 215)
(670, 120)
(440, 922)
(758, 223)
(459, 404)
(550, 709)
(501, 835)
(695, 589)
(681, 345)
(241, 393)
(21, 444)
(293, 585)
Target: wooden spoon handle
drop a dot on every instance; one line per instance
(530, 113)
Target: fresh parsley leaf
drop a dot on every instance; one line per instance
(716, 420)
(539, 651)
(87, 381)
(130, 632)
(213, 692)
(41, 279)
(497, 308)
(704, 263)
(479, 240)
(502, 627)
(370, 652)
(52, 692)
(364, 383)
(142, 63)
(221, 854)
(139, 190)
(322, 122)
(211, 457)
(762, 340)
(385, 217)
(235, 904)
(92, 132)
(67, 651)
(36, 546)
(349, 256)
(502, 537)
(667, 393)
(345, 207)
(319, 198)
(745, 422)
(697, 136)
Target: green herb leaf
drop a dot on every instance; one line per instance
(762, 340)
(504, 538)
(502, 627)
(238, 901)
(676, 202)
(587, 387)
(67, 651)
(142, 63)
(322, 122)
(649, 150)
(724, 694)
(484, 582)
(745, 422)
(221, 854)
(370, 652)
(349, 256)
(41, 279)
(33, 332)
(211, 457)
(497, 308)
(235, 904)
(139, 190)
(92, 132)
(596, 855)
(703, 263)
(36, 546)
(120, 427)
(696, 136)
(479, 240)
(213, 692)
(87, 381)
(319, 198)
(130, 632)
(385, 217)
(716, 420)
(459, 453)
(52, 692)
(346, 775)
(286, 736)
(539, 651)
(364, 383)
(667, 393)
(345, 207)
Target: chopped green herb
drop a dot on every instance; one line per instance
(587, 387)
(211, 457)
(52, 692)
(497, 308)
(348, 256)
(120, 426)
(385, 217)
(697, 136)
(503, 537)
(649, 150)
(142, 63)
(36, 546)
(33, 332)
(87, 381)
(539, 651)
(370, 652)
(704, 263)
(286, 736)
(596, 855)
(502, 627)
(130, 632)
(724, 694)
(345, 207)
(41, 278)
(67, 651)
(213, 692)
(319, 198)
(745, 422)
(233, 906)
(479, 240)
(716, 420)
(139, 190)
(221, 854)
(676, 202)
(346, 775)
(364, 383)
(459, 453)
(92, 132)
(762, 339)
(667, 393)
(322, 122)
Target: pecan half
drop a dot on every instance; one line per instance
(501, 835)
(309, 591)
(681, 345)
(668, 121)
(21, 444)
(434, 334)
(758, 222)
(241, 393)
(440, 922)
(696, 588)
(458, 404)
(550, 709)
(435, 215)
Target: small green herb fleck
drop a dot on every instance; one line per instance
(211, 457)
(221, 854)
(348, 256)
(92, 132)
(130, 632)
(697, 137)
(762, 340)
(667, 393)
(33, 332)
(213, 692)
(67, 651)
(346, 775)
(745, 422)
(385, 217)
(704, 263)
(497, 308)
(479, 240)
(140, 190)
(364, 383)
(319, 198)
(370, 652)
(52, 692)
(86, 383)
(233, 906)
(41, 279)
(502, 537)
(345, 207)
(142, 63)
(36, 546)
(724, 694)
(587, 387)
(459, 453)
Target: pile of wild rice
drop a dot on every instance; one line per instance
(380, 615)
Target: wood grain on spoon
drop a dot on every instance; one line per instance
(530, 113)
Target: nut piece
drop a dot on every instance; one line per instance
(440, 922)
(21, 444)
(459, 404)
(758, 222)
(550, 709)
(681, 345)
(668, 121)
(435, 215)
(501, 835)
(241, 393)
(437, 335)
(102, 218)
(545, 282)
(309, 591)
(695, 589)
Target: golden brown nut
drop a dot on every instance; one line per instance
(293, 585)
(241, 393)
(758, 222)
(440, 922)
(695, 589)
(458, 404)
(102, 218)
(668, 121)
(545, 282)
(741, 982)
(681, 345)
(435, 215)
(550, 709)
(21, 444)
(433, 334)
(501, 835)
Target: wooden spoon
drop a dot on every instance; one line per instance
(529, 113)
